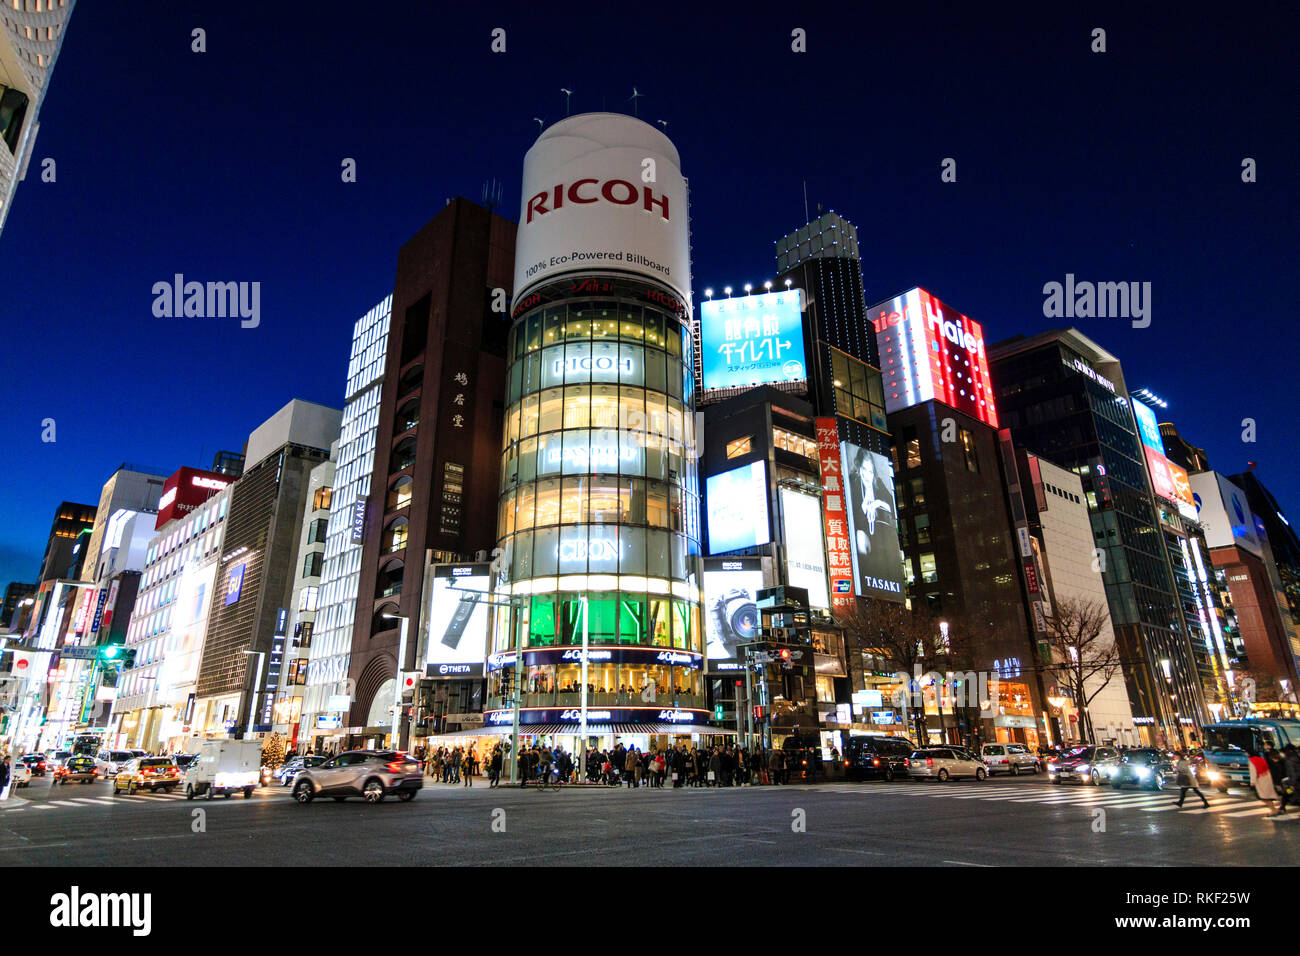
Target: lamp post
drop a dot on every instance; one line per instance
(252, 705)
(582, 723)
(397, 680)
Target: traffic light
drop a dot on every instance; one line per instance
(785, 653)
(115, 655)
(758, 712)
(717, 712)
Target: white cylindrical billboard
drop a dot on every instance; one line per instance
(602, 191)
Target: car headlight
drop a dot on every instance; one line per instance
(1082, 768)
(1051, 768)
(1143, 773)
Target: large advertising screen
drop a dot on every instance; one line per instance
(731, 617)
(1168, 480)
(456, 641)
(929, 351)
(586, 206)
(752, 339)
(1224, 514)
(805, 554)
(1148, 427)
(873, 522)
(737, 501)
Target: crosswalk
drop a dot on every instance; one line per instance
(1011, 795)
(111, 801)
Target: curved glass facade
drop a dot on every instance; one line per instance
(599, 505)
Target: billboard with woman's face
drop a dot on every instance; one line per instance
(873, 522)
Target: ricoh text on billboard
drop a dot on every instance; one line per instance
(602, 191)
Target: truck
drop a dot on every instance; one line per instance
(223, 767)
(1229, 743)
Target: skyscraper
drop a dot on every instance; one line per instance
(31, 35)
(437, 458)
(330, 641)
(1064, 398)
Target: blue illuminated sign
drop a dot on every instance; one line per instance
(737, 502)
(234, 583)
(1148, 427)
(752, 339)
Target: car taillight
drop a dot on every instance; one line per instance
(875, 762)
(929, 761)
(395, 766)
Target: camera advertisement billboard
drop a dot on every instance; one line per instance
(458, 621)
(731, 617)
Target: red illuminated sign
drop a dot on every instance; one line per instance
(931, 352)
(185, 491)
(839, 553)
(620, 192)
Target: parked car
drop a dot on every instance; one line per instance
(1089, 764)
(78, 769)
(1008, 758)
(1145, 767)
(35, 763)
(110, 762)
(289, 770)
(943, 763)
(372, 774)
(148, 773)
(871, 757)
(19, 775)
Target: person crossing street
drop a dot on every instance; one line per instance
(1186, 775)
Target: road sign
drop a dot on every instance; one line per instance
(80, 653)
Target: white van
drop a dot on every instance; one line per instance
(223, 767)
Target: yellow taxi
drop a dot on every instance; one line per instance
(148, 773)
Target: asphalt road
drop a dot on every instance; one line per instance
(1005, 821)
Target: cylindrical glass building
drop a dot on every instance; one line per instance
(599, 514)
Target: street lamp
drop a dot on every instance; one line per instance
(252, 704)
(397, 680)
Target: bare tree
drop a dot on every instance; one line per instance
(1083, 652)
(901, 637)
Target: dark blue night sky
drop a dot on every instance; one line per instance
(1123, 166)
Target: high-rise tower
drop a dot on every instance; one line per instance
(599, 520)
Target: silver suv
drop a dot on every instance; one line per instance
(372, 774)
(1009, 758)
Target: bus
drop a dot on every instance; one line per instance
(1229, 742)
(87, 743)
